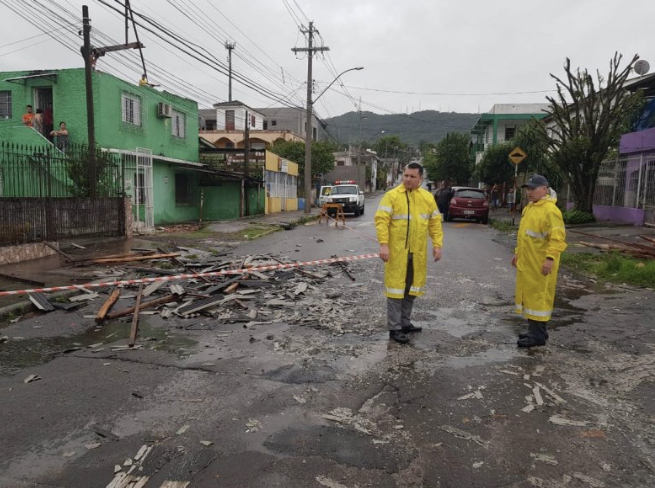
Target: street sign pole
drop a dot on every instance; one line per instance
(516, 156)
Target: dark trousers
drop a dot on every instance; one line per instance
(399, 310)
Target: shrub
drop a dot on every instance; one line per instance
(578, 217)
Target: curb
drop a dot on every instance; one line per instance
(27, 306)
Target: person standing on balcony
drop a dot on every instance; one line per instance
(37, 122)
(28, 116)
(407, 215)
(61, 137)
(48, 121)
(540, 241)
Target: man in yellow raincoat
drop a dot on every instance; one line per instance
(406, 216)
(540, 242)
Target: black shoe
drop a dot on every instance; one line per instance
(412, 328)
(527, 334)
(530, 342)
(398, 336)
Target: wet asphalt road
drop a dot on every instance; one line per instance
(288, 406)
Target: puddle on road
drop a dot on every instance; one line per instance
(23, 353)
(490, 356)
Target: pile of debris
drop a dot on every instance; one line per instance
(252, 297)
(640, 251)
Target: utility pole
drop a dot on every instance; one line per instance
(246, 161)
(310, 50)
(90, 55)
(90, 118)
(229, 46)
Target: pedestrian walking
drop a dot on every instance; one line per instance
(406, 216)
(511, 200)
(540, 242)
(495, 197)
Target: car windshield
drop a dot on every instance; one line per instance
(344, 190)
(469, 194)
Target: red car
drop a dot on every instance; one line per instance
(468, 203)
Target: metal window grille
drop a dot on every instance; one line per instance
(627, 181)
(131, 108)
(5, 104)
(178, 124)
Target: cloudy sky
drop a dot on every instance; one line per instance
(447, 55)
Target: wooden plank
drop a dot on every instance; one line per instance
(135, 319)
(54, 248)
(175, 484)
(129, 258)
(648, 238)
(151, 303)
(108, 304)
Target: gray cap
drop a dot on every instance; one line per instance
(534, 181)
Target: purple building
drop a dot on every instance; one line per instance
(625, 190)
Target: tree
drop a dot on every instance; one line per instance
(589, 117)
(495, 166)
(392, 147)
(450, 159)
(538, 158)
(322, 155)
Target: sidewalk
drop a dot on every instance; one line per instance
(601, 232)
(280, 218)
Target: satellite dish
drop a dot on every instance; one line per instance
(642, 67)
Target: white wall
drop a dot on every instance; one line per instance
(240, 118)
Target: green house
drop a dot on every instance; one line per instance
(153, 132)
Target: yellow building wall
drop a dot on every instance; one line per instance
(274, 204)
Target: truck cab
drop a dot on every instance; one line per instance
(348, 194)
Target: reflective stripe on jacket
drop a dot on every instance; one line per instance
(541, 235)
(403, 220)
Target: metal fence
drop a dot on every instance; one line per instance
(627, 181)
(46, 194)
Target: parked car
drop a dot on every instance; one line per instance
(468, 203)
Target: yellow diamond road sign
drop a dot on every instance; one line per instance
(517, 155)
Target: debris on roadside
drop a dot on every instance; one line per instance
(635, 250)
(31, 378)
(462, 434)
(558, 420)
(544, 458)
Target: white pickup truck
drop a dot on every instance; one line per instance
(346, 193)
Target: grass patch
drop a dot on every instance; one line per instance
(613, 267)
(256, 231)
(503, 225)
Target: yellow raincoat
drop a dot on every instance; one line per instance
(399, 209)
(541, 235)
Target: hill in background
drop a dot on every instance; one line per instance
(426, 126)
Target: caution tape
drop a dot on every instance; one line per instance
(191, 275)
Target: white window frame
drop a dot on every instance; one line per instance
(5, 102)
(178, 124)
(131, 108)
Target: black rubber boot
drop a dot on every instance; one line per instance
(412, 328)
(537, 335)
(398, 336)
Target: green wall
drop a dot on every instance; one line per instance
(222, 202)
(69, 105)
(166, 209)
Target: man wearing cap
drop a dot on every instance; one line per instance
(406, 216)
(540, 242)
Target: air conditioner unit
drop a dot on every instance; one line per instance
(163, 110)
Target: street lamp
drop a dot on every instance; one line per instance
(309, 134)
